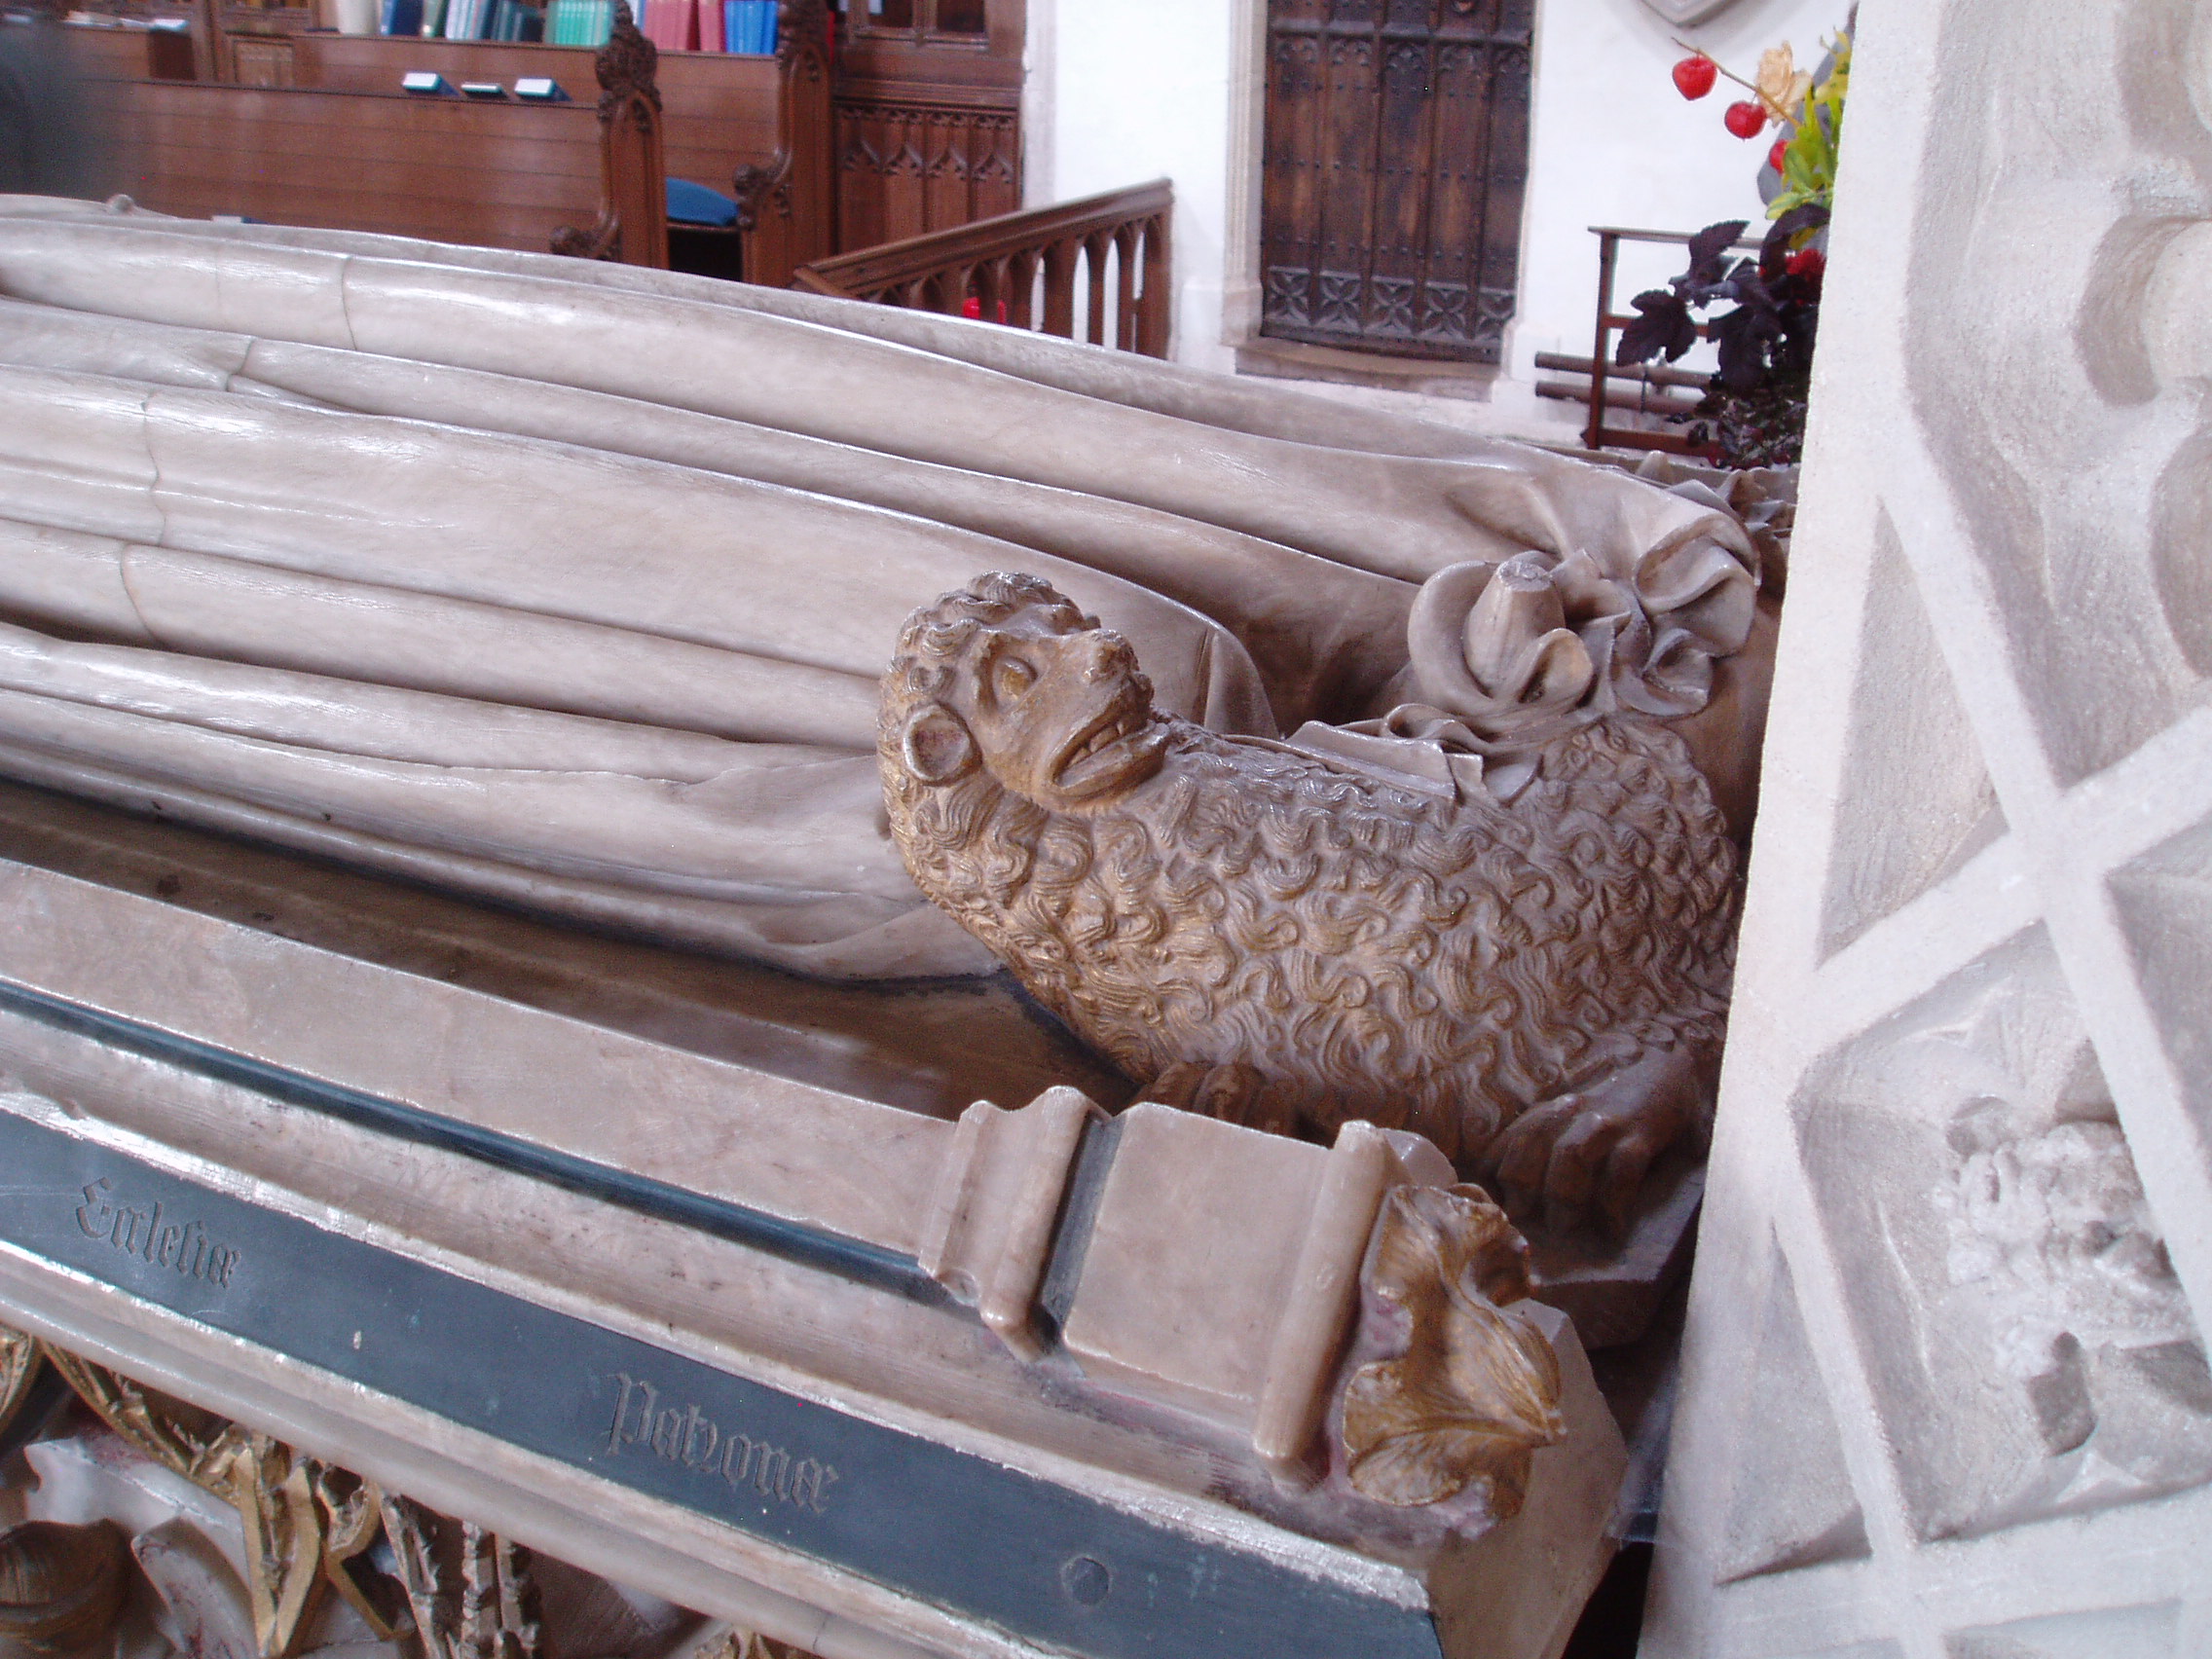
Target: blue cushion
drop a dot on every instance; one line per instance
(696, 204)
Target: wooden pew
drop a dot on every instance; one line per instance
(341, 147)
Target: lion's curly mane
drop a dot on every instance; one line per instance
(1372, 952)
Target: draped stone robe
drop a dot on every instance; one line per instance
(568, 585)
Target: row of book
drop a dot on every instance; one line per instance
(578, 22)
(473, 19)
(674, 25)
(708, 25)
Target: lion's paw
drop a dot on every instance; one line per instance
(1582, 1156)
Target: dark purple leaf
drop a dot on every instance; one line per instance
(1709, 248)
(1663, 327)
(1743, 335)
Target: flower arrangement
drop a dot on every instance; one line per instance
(1753, 413)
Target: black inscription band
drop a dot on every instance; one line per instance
(810, 1246)
(1046, 1562)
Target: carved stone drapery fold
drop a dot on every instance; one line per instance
(1476, 1388)
(1506, 657)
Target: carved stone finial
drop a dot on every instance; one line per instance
(1477, 1388)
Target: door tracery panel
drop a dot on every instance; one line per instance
(1396, 166)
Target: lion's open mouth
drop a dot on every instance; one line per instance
(1097, 753)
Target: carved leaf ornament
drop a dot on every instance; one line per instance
(1477, 1390)
(462, 1591)
(272, 1491)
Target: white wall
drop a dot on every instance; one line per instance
(1123, 91)
(1611, 142)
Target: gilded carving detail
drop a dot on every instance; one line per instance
(272, 1490)
(1476, 1390)
(447, 1588)
(18, 1369)
(735, 1644)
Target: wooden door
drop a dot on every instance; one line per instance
(928, 116)
(1396, 161)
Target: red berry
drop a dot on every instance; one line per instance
(1694, 75)
(1745, 120)
(1774, 156)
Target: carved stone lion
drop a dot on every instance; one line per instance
(1260, 933)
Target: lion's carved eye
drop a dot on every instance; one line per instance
(1010, 677)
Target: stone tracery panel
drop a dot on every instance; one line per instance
(2029, 1343)
(2048, 363)
(1962, 1133)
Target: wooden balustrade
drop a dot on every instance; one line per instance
(1597, 392)
(1026, 270)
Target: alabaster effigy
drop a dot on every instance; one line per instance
(569, 585)
(504, 1003)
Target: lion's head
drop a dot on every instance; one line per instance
(1009, 677)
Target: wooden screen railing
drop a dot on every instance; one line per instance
(1026, 270)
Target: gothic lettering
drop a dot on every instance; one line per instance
(691, 1438)
(153, 1236)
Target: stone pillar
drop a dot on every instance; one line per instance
(1944, 1389)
